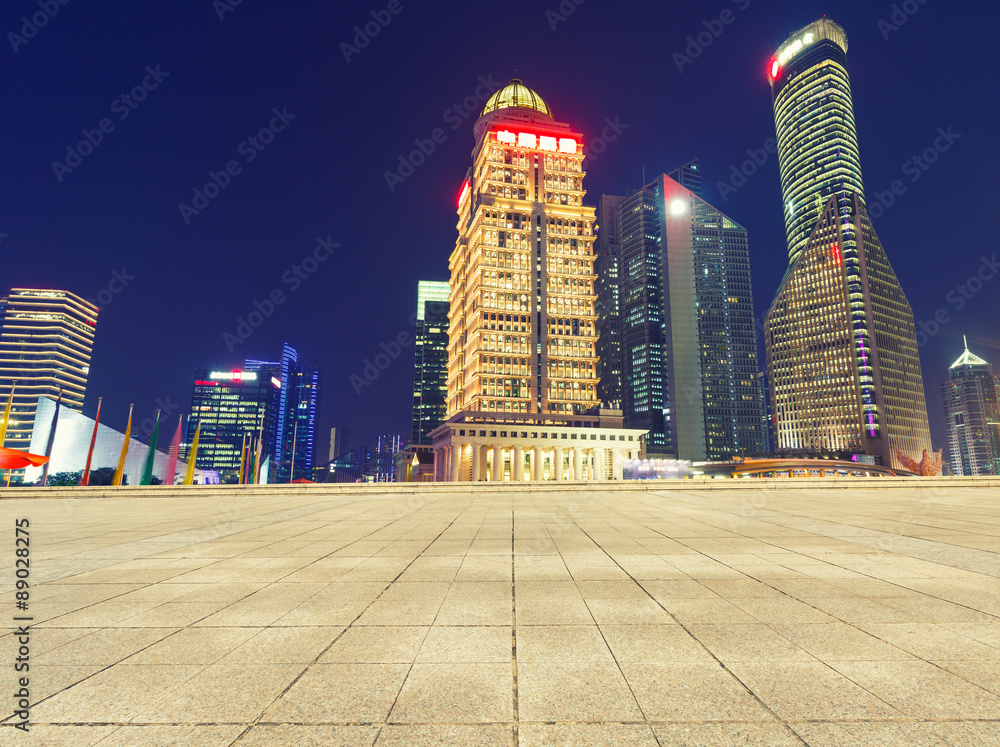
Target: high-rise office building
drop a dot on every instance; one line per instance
(430, 375)
(290, 426)
(232, 407)
(688, 349)
(840, 337)
(607, 267)
(522, 361)
(972, 415)
(341, 441)
(381, 465)
(45, 346)
(277, 401)
(814, 119)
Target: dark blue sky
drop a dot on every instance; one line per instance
(323, 174)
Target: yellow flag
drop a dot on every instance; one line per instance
(192, 457)
(6, 415)
(120, 471)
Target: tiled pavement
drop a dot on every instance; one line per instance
(582, 617)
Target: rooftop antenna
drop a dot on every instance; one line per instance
(965, 339)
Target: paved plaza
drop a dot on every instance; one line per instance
(484, 615)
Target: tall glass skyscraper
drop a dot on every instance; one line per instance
(430, 373)
(814, 119)
(45, 346)
(972, 414)
(688, 348)
(607, 266)
(840, 337)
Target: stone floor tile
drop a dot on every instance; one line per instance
(283, 646)
(562, 643)
(376, 645)
(752, 734)
(456, 693)
(574, 692)
(870, 734)
(202, 735)
(810, 690)
(754, 642)
(593, 735)
(921, 690)
(346, 693)
(653, 644)
(466, 644)
(480, 735)
(690, 691)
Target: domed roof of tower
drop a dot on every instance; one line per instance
(516, 94)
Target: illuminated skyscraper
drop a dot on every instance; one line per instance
(45, 346)
(522, 362)
(688, 346)
(840, 338)
(276, 400)
(814, 119)
(607, 267)
(232, 406)
(430, 374)
(972, 414)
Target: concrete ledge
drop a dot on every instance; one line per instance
(394, 489)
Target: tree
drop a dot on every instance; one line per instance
(65, 479)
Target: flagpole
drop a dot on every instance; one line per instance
(85, 480)
(243, 458)
(295, 439)
(192, 455)
(51, 440)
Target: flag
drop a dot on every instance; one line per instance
(120, 471)
(175, 446)
(192, 456)
(147, 468)
(6, 415)
(85, 480)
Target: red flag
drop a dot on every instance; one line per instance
(85, 480)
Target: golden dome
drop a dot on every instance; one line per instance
(516, 94)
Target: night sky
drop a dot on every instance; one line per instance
(344, 124)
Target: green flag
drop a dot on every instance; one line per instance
(147, 468)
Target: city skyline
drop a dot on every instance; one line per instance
(133, 295)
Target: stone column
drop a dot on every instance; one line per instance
(477, 464)
(497, 463)
(517, 464)
(557, 473)
(599, 462)
(455, 461)
(578, 463)
(616, 455)
(536, 463)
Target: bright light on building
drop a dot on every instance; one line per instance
(678, 207)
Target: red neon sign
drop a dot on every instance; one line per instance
(836, 254)
(534, 141)
(465, 191)
(775, 68)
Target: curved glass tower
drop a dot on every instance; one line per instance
(840, 337)
(814, 119)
